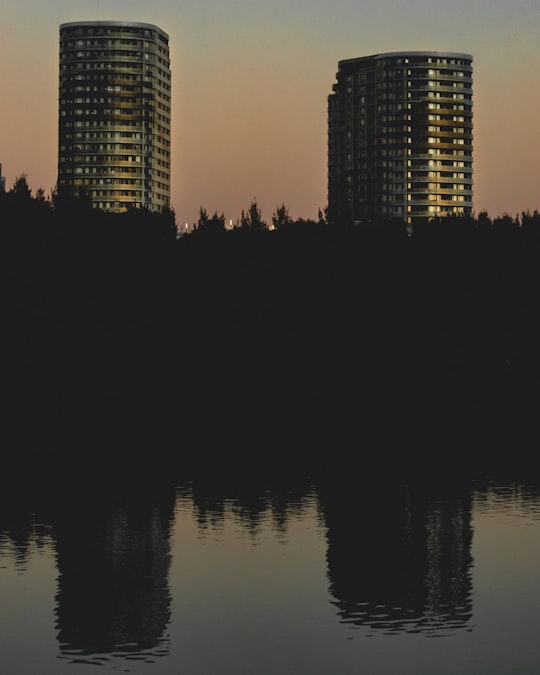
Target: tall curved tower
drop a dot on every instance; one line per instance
(115, 114)
(400, 137)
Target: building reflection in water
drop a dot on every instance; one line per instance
(113, 594)
(398, 559)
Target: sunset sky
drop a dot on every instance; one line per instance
(250, 83)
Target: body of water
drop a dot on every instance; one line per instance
(243, 575)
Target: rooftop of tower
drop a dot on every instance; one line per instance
(119, 24)
(386, 55)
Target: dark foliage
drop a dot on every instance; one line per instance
(112, 326)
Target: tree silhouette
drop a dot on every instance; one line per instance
(20, 189)
(114, 312)
(281, 217)
(210, 225)
(253, 218)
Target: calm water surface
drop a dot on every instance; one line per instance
(313, 577)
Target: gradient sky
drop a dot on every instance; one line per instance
(250, 86)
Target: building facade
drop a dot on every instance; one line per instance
(400, 137)
(115, 114)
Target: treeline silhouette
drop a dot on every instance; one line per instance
(376, 336)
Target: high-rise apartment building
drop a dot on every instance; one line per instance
(115, 114)
(400, 137)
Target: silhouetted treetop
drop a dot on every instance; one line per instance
(252, 219)
(281, 217)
